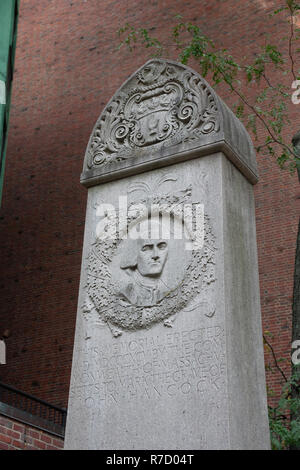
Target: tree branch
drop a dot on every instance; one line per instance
(275, 360)
(292, 32)
(254, 110)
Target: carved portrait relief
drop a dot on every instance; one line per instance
(144, 265)
(153, 272)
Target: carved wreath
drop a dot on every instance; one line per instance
(102, 291)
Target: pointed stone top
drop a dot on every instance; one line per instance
(164, 113)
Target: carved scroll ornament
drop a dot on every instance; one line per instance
(161, 102)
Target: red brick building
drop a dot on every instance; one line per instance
(15, 435)
(67, 68)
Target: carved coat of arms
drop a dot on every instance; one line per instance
(162, 102)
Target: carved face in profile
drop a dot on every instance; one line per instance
(151, 257)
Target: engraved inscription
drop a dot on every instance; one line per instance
(175, 364)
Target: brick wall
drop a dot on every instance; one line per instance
(18, 436)
(67, 68)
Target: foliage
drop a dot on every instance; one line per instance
(284, 419)
(267, 115)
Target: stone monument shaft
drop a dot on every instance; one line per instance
(168, 347)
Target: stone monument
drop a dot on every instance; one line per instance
(168, 347)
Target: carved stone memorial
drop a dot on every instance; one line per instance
(168, 348)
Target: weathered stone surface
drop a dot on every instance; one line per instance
(168, 349)
(164, 113)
